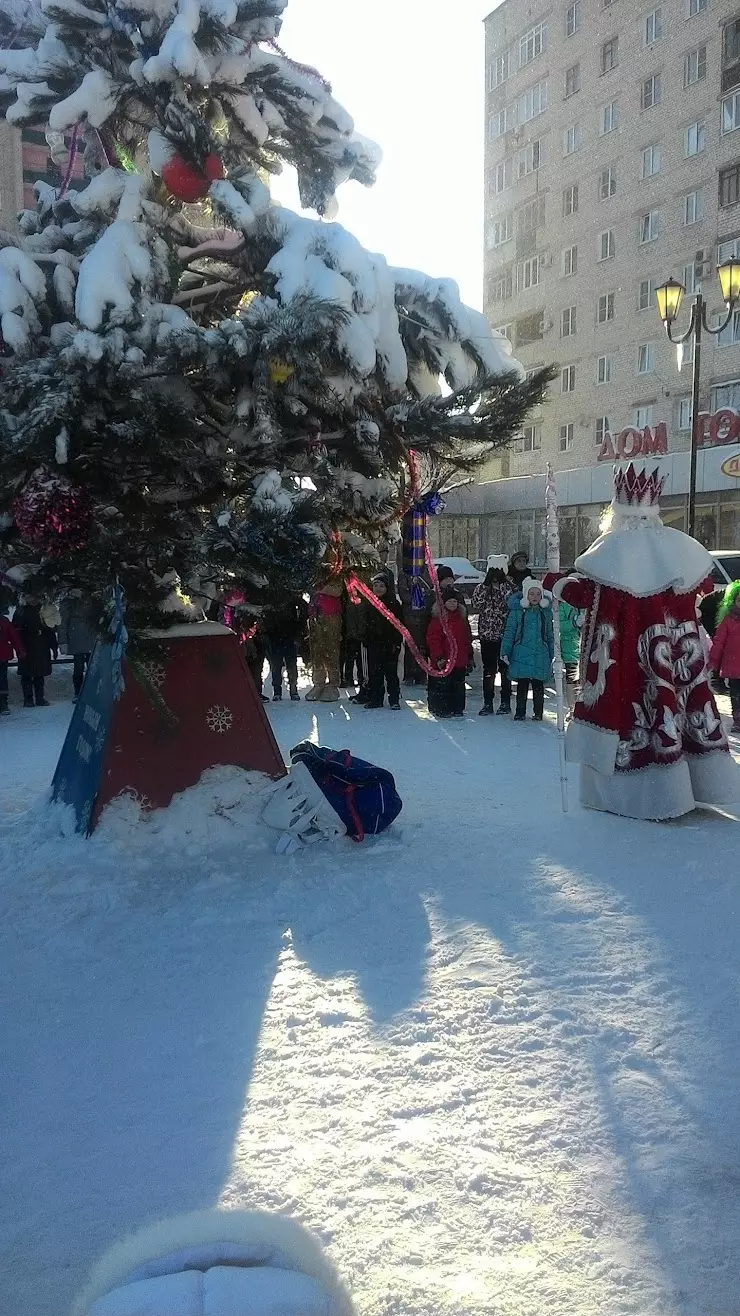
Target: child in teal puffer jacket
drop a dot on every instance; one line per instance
(528, 646)
(570, 649)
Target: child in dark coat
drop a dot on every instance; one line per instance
(40, 643)
(446, 694)
(383, 643)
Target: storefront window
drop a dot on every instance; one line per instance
(729, 520)
(706, 525)
(568, 530)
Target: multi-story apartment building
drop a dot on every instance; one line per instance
(612, 160)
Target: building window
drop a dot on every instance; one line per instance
(697, 7)
(726, 395)
(568, 322)
(605, 308)
(694, 138)
(684, 413)
(695, 66)
(729, 185)
(528, 273)
(606, 246)
(731, 113)
(730, 335)
(532, 102)
(501, 231)
(530, 329)
(573, 18)
(568, 379)
(499, 123)
(609, 118)
(602, 428)
(532, 44)
(649, 226)
(572, 80)
(566, 437)
(650, 92)
(604, 369)
(570, 261)
(607, 182)
(610, 54)
(650, 161)
(653, 30)
(643, 416)
(502, 176)
(728, 250)
(531, 439)
(532, 216)
(693, 207)
(692, 277)
(645, 358)
(687, 353)
(731, 42)
(502, 285)
(529, 159)
(498, 70)
(645, 295)
(572, 139)
(570, 200)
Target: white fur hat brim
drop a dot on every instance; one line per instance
(213, 1240)
(530, 583)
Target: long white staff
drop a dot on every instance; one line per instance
(553, 564)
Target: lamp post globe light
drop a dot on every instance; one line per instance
(669, 297)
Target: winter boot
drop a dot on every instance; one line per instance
(314, 693)
(503, 710)
(28, 703)
(295, 695)
(329, 694)
(277, 696)
(487, 708)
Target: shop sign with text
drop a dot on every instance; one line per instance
(632, 442)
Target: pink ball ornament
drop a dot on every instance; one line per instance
(52, 514)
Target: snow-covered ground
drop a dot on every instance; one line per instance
(492, 1057)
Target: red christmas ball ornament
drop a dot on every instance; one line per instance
(188, 183)
(213, 167)
(52, 514)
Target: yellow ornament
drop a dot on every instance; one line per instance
(279, 371)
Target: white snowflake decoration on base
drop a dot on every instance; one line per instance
(153, 672)
(219, 718)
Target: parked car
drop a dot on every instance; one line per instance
(466, 575)
(726, 569)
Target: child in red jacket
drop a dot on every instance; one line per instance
(446, 695)
(724, 657)
(10, 643)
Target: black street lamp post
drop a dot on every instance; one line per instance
(669, 297)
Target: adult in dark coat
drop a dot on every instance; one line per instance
(78, 633)
(519, 568)
(40, 643)
(282, 627)
(383, 643)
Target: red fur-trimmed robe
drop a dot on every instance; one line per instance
(645, 730)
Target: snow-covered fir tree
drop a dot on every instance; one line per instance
(194, 379)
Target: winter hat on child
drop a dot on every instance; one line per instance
(216, 1263)
(530, 583)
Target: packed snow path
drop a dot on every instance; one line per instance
(492, 1058)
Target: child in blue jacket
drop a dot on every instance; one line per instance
(528, 646)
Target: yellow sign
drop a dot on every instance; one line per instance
(731, 467)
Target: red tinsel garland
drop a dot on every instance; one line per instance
(355, 588)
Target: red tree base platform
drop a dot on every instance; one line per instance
(213, 716)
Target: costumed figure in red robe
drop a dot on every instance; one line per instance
(645, 728)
